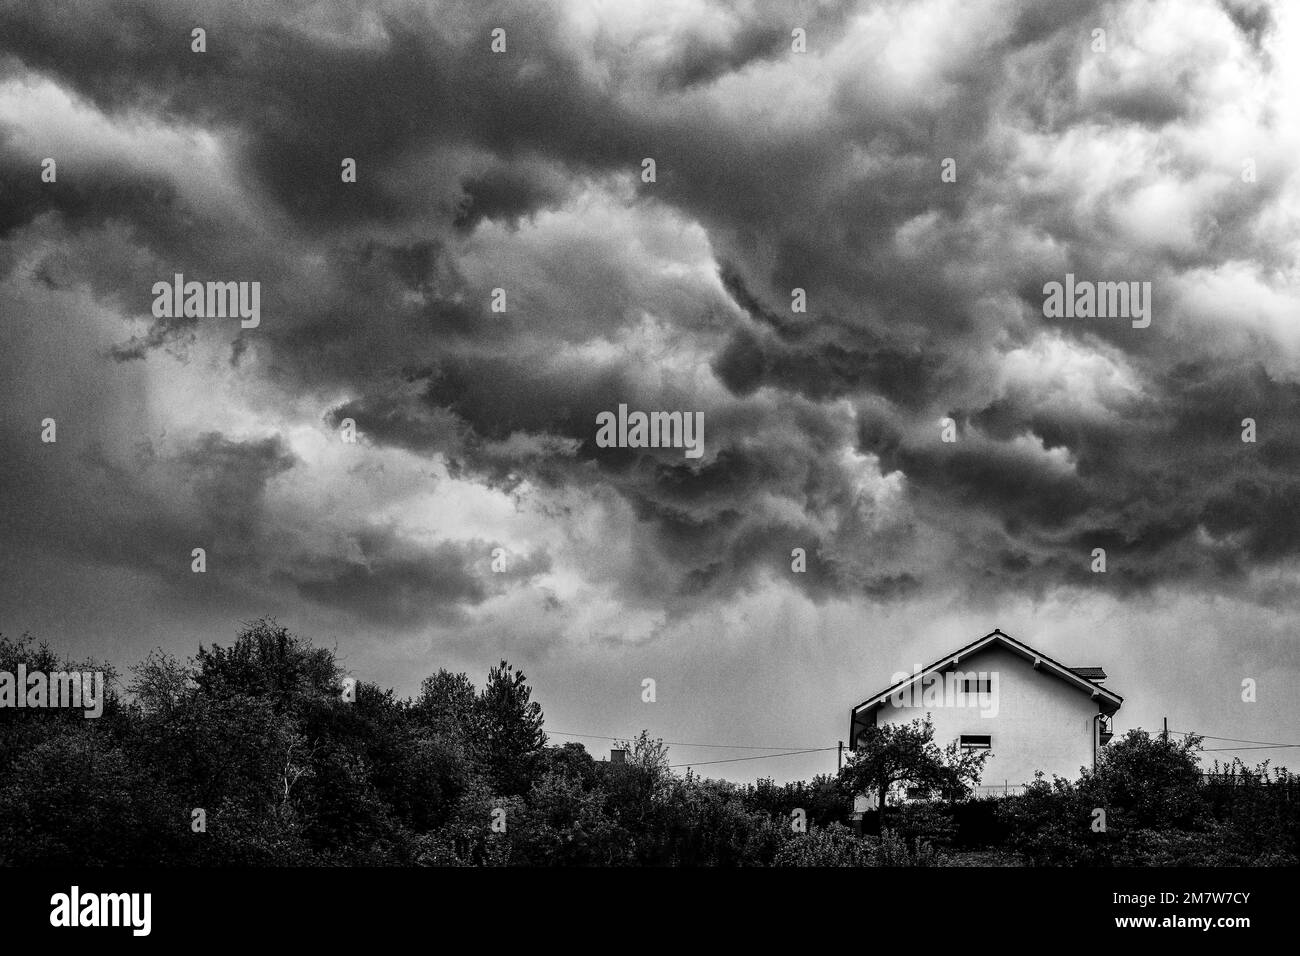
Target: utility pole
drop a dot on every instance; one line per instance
(1165, 735)
(839, 760)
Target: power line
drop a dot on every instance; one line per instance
(737, 760)
(791, 752)
(785, 751)
(675, 743)
(1240, 740)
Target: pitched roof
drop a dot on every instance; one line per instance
(1108, 700)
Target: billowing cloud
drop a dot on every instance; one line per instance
(1161, 153)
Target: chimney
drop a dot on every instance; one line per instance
(618, 756)
(1094, 674)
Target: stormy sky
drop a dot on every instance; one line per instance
(1167, 157)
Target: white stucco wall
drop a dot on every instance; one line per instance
(1041, 723)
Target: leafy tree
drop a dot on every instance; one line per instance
(906, 754)
(508, 730)
(76, 799)
(571, 760)
(1150, 791)
(467, 838)
(638, 786)
(448, 703)
(696, 822)
(564, 824)
(824, 799)
(268, 661)
(162, 683)
(1148, 781)
(645, 753)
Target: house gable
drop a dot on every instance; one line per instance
(1107, 702)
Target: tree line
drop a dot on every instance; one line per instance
(262, 753)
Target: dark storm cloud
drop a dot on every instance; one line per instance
(304, 105)
(507, 192)
(829, 359)
(90, 196)
(1144, 487)
(142, 510)
(228, 479)
(701, 61)
(917, 289)
(393, 583)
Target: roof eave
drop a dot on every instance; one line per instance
(1096, 691)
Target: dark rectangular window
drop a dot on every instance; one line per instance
(976, 686)
(977, 741)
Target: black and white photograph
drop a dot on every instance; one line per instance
(825, 453)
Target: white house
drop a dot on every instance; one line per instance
(1031, 712)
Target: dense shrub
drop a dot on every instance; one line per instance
(1157, 812)
(831, 845)
(892, 849)
(929, 823)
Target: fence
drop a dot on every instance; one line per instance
(1288, 786)
(1004, 789)
(1291, 785)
